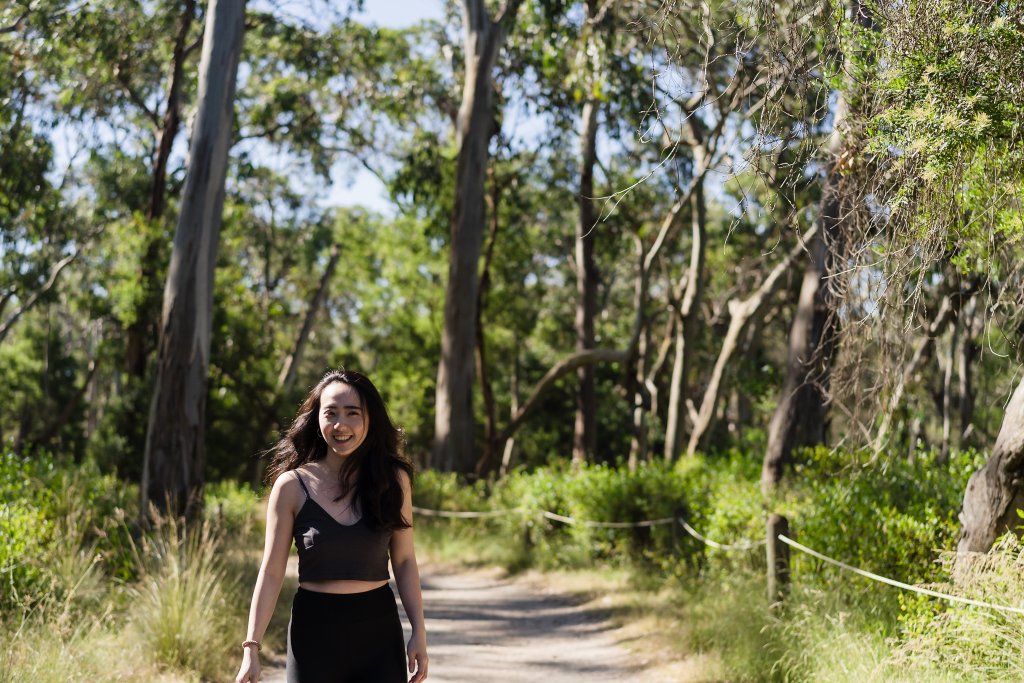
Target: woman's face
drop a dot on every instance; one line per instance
(343, 421)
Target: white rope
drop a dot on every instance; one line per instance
(463, 514)
(610, 525)
(897, 584)
(741, 545)
(466, 514)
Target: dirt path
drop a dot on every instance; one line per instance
(482, 625)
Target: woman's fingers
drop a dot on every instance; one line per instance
(421, 668)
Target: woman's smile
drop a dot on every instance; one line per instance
(343, 422)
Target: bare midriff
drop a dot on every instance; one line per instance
(341, 586)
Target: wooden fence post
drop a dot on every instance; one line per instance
(778, 559)
(677, 528)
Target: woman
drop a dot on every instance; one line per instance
(342, 490)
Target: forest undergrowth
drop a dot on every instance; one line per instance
(894, 518)
(86, 593)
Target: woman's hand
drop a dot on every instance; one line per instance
(417, 652)
(249, 672)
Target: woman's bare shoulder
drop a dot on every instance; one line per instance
(287, 489)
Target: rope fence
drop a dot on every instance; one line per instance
(739, 545)
(605, 525)
(465, 514)
(775, 570)
(893, 582)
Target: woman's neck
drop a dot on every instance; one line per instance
(330, 466)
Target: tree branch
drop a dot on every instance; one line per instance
(31, 301)
(560, 369)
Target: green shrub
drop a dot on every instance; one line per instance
(889, 517)
(444, 491)
(232, 507)
(55, 521)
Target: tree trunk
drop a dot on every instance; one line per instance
(510, 442)
(172, 477)
(969, 351)
(489, 457)
(996, 492)
(454, 424)
(947, 391)
(139, 332)
(286, 378)
(740, 314)
(641, 404)
(674, 410)
(585, 430)
(689, 312)
(800, 417)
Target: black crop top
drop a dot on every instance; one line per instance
(330, 550)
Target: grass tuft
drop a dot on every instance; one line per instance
(180, 610)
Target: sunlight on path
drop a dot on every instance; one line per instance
(482, 627)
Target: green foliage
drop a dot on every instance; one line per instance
(889, 517)
(228, 506)
(84, 593)
(951, 126)
(938, 117)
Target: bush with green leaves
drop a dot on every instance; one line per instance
(889, 516)
(56, 521)
(232, 506)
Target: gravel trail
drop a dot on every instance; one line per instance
(484, 626)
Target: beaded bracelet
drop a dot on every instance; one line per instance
(247, 643)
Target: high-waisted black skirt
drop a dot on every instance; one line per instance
(353, 638)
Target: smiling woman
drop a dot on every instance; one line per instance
(342, 490)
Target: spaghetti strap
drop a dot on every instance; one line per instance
(301, 483)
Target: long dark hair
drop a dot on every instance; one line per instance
(374, 465)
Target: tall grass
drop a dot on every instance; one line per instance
(983, 644)
(181, 609)
(86, 594)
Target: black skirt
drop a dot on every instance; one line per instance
(353, 638)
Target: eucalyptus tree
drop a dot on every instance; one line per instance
(173, 471)
(800, 417)
(723, 104)
(484, 37)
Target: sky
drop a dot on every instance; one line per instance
(400, 13)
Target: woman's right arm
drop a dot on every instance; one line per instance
(285, 498)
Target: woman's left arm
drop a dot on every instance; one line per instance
(407, 576)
